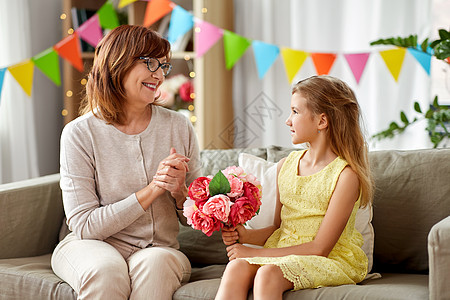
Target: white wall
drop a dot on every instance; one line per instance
(46, 27)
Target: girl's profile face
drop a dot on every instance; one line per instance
(302, 122)
(141, 84)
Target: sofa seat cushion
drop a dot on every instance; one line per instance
(32, 278)
(390, 286)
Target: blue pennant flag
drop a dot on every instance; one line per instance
(2, 76)
(181, 21)
(265, 56)
(423, 58)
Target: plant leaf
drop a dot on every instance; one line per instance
(424, 45)
(393, 126)
(404, 118)
(219, 184)
(442, 50)
(444, 34)
(435, 102)
(417, 107)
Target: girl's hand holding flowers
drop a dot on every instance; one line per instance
(232, 235)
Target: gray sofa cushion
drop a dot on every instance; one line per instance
(21, 235)
(32, 278)
(401, 222)
(201, 249)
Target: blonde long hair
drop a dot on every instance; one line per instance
(115, 55)
(334, 98)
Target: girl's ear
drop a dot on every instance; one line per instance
(323, 122)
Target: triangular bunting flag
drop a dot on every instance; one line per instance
(323, 62)
(394, 60)
(423, 58)
(181, 21)
(265, 56)
(156, 9)
(107, 16)
(124, 3)
(69, 49)
(234, 46)
(205, 36)
(293, 61)
(23, 73)
(90, 31)
(48, 62)
(357, 63)
(2, 76)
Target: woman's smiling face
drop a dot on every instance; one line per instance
(141, 84)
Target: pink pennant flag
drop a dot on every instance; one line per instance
(90, 31)
(206, 35)
(357, 63)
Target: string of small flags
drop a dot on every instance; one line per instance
(206, 35)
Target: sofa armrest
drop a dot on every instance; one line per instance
(31, 214)
(439, 259)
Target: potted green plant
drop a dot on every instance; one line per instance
(437, 116)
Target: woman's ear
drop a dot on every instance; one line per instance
(323, 122)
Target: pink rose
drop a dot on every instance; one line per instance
(241, 211)
(253, 180)
(235, 171)
(236, 185)
(253, 194)
(218, 207)
(199, 191)
(189, 208)
(204, 223)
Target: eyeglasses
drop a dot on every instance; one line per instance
(153, 64)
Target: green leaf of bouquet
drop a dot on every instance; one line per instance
(219, 184)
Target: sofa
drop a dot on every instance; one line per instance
(410, 219)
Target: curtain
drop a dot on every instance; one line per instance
(330, 26)
(18, 155)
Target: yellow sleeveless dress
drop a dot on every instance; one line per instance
(305, 201)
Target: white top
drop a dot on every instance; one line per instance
(102, 168)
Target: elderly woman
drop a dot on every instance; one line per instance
(125, 164)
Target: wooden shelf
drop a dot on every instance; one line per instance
(183, 55)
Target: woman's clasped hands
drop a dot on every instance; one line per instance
(171, 176)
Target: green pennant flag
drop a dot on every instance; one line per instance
(108, 16)
(234, 46)
(48, 62)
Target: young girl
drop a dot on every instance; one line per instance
(313, 241)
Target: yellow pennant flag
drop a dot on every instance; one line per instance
(124, 3)
(23, 73)
(293, 61)
(394, 60)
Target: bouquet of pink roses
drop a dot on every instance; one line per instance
(229, 198)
